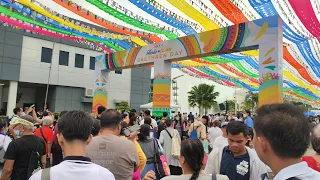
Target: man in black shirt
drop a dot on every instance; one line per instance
(24, 155)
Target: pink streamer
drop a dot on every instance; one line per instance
(305, 12)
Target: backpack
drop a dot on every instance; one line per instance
(193, 134)
(175, 145)
(2, 152)
(34, 160)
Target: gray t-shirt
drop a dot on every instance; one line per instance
(201, 177)
(115, 153)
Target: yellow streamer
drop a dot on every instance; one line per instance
(300, 82)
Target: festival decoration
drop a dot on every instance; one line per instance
(176, 18)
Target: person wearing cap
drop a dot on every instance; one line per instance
(19, 152)
(222, 140)
(235, 160)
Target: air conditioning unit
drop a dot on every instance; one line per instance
(89, 92)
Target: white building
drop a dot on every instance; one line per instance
(25, 61)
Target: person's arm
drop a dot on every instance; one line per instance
(135, 159)
(34, 116)
(7, 170)
(189, 131)
(161, 140)
(43, 161)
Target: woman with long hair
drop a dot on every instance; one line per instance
(149, 146)
(191, 157)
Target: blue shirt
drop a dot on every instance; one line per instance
(236, 168)
(249, 122)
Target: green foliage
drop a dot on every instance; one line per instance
(303, 107)
(232, 105)
(123, 106)
(202, 96)
(250, 101)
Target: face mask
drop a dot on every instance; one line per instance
(229, 118)
(18, 133)
(177, 119)
(245, 115)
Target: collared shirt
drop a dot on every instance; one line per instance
(300, 171)
(236, 168)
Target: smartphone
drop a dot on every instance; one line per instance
(126, 132)
(134, 128)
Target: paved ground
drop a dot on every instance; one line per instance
(309, 152)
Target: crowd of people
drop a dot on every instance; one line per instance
(131, 146)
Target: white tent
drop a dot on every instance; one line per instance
(149, 106)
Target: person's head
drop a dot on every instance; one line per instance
(125, 117)
(315, 139)
(218, 114)
(165, 114)
(62, 113)
(168, 122)
(22, 126)
(134, 112)
(144, 132)
(17, 111)
(205, 119)
(45, 113)
(101, 109)
(95, 128)
(25, 109)
(177, 117)
(110, 120)
(3, 126)
(147, 114)
(74, 129)
(223, 126)
(237, 134)
(163, 119)
(191, 156)
(216, 123)
(47, 121)
(133, 120)
(147, 121)
(247, 113)
(280, 132)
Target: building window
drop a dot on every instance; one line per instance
(46, 55)
(79, 61)
(92, 63)
(64, 58)
(118, 71)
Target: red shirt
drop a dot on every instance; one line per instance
(47, 133)
(312, 163)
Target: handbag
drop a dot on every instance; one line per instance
(161, 163)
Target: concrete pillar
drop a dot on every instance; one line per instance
(270, 72)
(12, 97)
(161, 88)
(100, 93)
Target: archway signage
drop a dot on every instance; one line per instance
(263, 34)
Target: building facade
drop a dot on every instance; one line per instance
(29, 62)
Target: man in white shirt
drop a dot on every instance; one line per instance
(214, 132)
(74, 135)
(147, 114)
(282, 136)
(222, 140)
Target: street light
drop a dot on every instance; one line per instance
(175, 89)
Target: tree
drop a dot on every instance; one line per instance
(123, 106)
(303, 107)
(250, 101)
(203, 96)
(231, 105)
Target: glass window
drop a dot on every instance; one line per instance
(46, 55)
(64, 58)
(79, 61)
(92, 62)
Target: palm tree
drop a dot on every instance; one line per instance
(250, 101)
(202, 96)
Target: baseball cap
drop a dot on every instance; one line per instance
(224, 124)
(22, 121)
